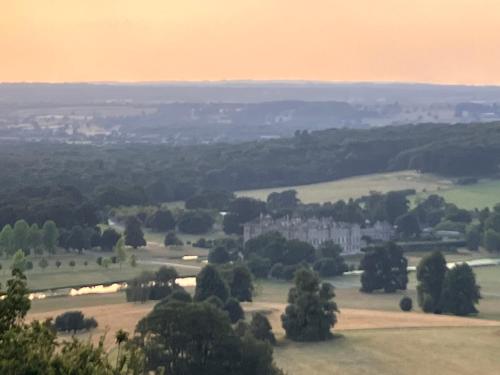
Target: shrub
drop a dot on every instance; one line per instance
(171, 239)
(74, 321)
(406, 303)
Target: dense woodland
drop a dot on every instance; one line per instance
(68, 183)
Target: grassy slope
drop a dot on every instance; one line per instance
(392, 351)
(486, 193)
(356, 187)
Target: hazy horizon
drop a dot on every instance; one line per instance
(445, 42)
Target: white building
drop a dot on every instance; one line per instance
(317, 231)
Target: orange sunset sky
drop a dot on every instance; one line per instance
(442, 41)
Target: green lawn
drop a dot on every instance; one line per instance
(486, 193)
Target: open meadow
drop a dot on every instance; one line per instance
(356, 187)
(485, 193)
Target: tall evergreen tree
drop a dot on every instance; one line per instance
(20, 235)
(50, 236)
(430, 276)
(6, 240)
(311, 311)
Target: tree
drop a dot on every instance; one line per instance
(33, 348)
(297, 252)
(72, 263)
(460, 291)
(408, 225)
(271, 245)
(171, 239)
(195, 222)
(78, 239)
(331, 263)
(121, 337)
(284, 200)
(473, 237)
(109, 238)
(119, 250)
(242, 210)
(133, 261)
(261, 329)
(58, 263)
(133, 233)
(161, 221)
(209, 283)
(234, 310)
(20, 235)
(310, 313)
(6, 240)
(492, 240)
(196, 339)
(396, 205)
(241, 283)
(43, 263)
(34, 238)
(16, 303)
(219, 255)
(430, 276)
(50, 235)
(19, 261)
(406, 303)
(384, 267)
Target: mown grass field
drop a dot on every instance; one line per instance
(486, 193)
(356, 187)
(421, 351)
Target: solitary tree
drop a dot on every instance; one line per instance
(50, 235)
(133, 260)
(43, 263)
(460, 291)
(6, 240)
(109, 238)
(34, 239)
(20, 235)
(121, 337)
(134, 235)
(209, 283)
(241, 283)
(310, 313)
(171, 239)
(430, 276)
(384, 267)
(19, 261)
(121, 253)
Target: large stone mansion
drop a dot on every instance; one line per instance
(316, 231)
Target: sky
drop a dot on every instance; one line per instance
(435, 41)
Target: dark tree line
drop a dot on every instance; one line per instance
(75, 180)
